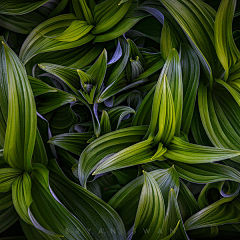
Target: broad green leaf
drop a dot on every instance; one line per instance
(206, 172)
(226, 210)
(22, 197)
(226, 49)
(105, 123)
(125, 202)
(36, 43)
(119, 29)
(104, 146)
(219, 114)
(163, 113)
(48, 214)
(196, 18)
(86, 206)
(108, 13)
(78, 57)
(73, 142)
(173, 219)
(138, 153)
(169, 39)
(151, 210)
(8, 217)
(87, 13)
(98, 70)
(22, 118)
(52, 97)
(66, 74)
(7, 178)
(190, 75)
(185, 152)
(76, 30)
(39, 87)
(14, 7)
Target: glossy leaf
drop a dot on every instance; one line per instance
(151, 210)
(120, 139)
(22, 119)
(181, 151)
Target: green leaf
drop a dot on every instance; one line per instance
(221, 212)
(226, 48)
(219, 114)
(185, 152)
(73, 142)
(36, 43)
(75, 31)
(39, 87)
(48, 214)
(88, 15)
(190, 75)
(14, 7)
(169, 39)
(125, 202)
(108, 13)
(163, 113)
(22, 118)
(66, 74)
(196, 18)
(138, 153)
(173, 219)
(88, 211)
(22, 197)
(119, 29)
(104, 146)
(7, 178)
(151, 210)
(105, 123)
(206, 172)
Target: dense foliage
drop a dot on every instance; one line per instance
(119, 119)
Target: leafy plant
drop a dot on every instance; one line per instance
(119, 119)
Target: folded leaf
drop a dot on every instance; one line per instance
(125, 202)
(223, 211)
(22, 197)
(190, 74)
(86, 206)
(104, 146)
(173, 219)
(226, 48)
(73, 142)
(22, 118)
(14, 7)
(185, 152)
(7, 178)
(48, 214)
(151, 210)
(36, 43)
(138, 153)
